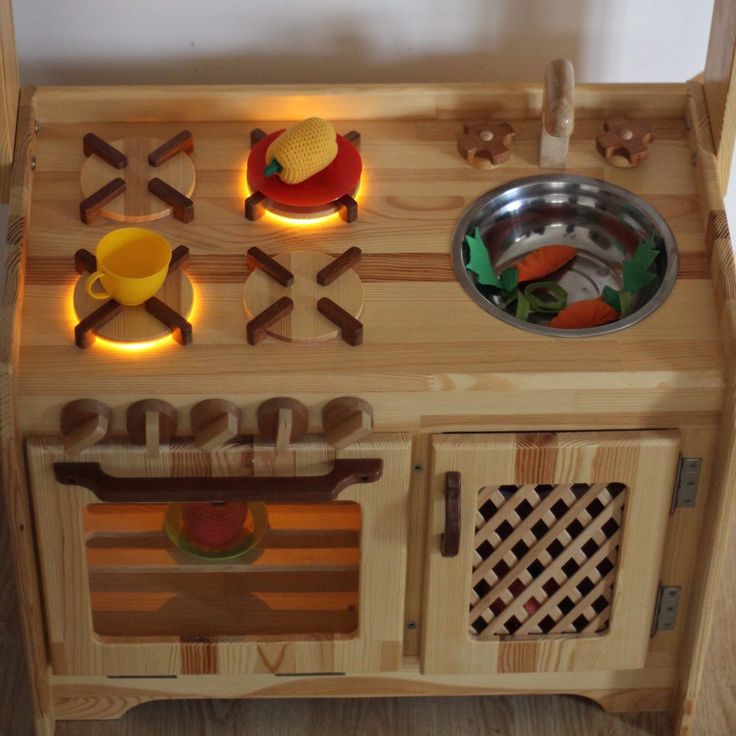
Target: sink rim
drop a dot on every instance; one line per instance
(663, 229)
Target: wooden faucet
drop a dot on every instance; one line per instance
(558, 114)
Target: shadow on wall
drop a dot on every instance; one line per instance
(502, 41)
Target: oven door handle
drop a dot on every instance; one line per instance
(300, 489)
(450, 540)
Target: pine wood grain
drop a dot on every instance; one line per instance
(720, 84)
(9, 88)
(426, 342)
(137, 204)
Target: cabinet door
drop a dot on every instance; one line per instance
(321, 590)
(560, 543)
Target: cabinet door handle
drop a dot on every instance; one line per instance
(305, 489)
(450, 541)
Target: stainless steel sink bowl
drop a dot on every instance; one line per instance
(604, 222)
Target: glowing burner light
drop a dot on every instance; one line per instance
(330, 192)
(168, 324)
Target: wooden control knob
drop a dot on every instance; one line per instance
(347, 420)
(152, 422)
(214, 422)
(284, 420)
(84, 423)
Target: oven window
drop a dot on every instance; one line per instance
(207, 570)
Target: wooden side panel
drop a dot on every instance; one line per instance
(9, 87)
(66, 564)
(643, 462)
(17, 508)
(720, 84)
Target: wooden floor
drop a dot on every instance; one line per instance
(498, 716)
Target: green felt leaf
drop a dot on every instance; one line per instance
(480, 261)
(625, 298)
(522, 307)
(545, 296)
(612, 298)
(635, 277)
(509, 279)
(636, 270)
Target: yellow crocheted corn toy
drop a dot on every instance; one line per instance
(302, 151)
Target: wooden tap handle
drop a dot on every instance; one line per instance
(347, 420)
(214, 423)
(283, 420)
(558, 106)
(450, 539)
(84, 423)
(151, 422)
(306, 489)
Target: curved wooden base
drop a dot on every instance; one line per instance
(77, 698)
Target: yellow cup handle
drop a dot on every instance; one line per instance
(91, 282)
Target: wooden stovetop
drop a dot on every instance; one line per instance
(430, 357)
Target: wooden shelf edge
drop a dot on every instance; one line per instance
(75, 104)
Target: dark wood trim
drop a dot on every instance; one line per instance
(181, 329)
(255, 206)
(351, 329)
(305, 489)
(354, 137)
(93, 144)
(347, 207)
(85, 333)
(84, 261)
(256, 258)
(181, 142)
(89, 209)
(257, 134)
(182, 207)
(450, 540)
(349, 259)
(257, 328)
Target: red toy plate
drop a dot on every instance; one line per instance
(341, 177)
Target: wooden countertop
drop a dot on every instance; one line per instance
(431, 358)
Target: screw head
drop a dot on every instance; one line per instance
(627, 135)
(33, 163)
(486, 135)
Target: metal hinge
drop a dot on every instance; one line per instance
(686, 485)
(665, 610)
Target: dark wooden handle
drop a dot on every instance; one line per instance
(93, 144)
(351, 329)
(349, 259)
(181, 142)
(90, 208)
(306, 489)
(450, 542)
(257, 328)
(181, 206)
(256, 258)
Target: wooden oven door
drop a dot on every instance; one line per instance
(544, 550)
(322, 591)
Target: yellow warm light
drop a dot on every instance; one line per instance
(305, 222)
(133, 347)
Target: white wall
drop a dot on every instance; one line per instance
(273, 41)
(235, 41)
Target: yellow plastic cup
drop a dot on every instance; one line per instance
(132, 264)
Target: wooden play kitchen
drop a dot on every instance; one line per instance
(346, 449)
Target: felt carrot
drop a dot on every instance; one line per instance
(544, 261)
(586, 313)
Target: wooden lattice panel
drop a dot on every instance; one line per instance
(545, 559)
